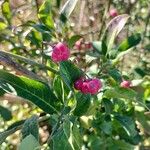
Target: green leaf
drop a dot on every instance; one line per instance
(69, 73)
(2, 25)
(83, 104)
(45, 14)
(67, 135)
(113, 29)
(71, 42)
(29, 143)
(106, 127)
(100, 47)
(38, 93)
(6, 10)
(108, 105)
(5, 113)
(128, 124)
(67, 10)
(30, 126)
(35, 38)
(122, 145)
(131, 41)
(120, 93)
(58, 87)
(115, 74)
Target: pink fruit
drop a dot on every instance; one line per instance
(113, 13)
(78, 83)
(60, 52)
(125, 84)
(85, 87)
(94, 86)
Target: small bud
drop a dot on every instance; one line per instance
(125, 84)
(113, 13)
(60, 52)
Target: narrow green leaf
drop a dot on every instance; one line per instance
(120, 93)
(69, 73)
(115, 74)
(108, 105)
(5, 113)
(100, 47)
(30, 126)
(35, 38)
(83, 104)
(128, 124)
(38, 93)
(67, 135)
(58, 87)
(6, 10)
(67, 10)
(131, 41)
(45, 14)
(29, 143)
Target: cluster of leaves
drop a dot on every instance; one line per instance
(107, 120)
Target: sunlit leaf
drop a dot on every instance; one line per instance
(6, 10)
(45, 14)
(38, 93)
(131, 41)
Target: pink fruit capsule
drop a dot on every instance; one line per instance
(78, 83)
(60, 52)
(94, 86)
(125, 84)
(113, 13)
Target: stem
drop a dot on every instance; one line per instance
(6, 133)
(104, 18)
(31, 62)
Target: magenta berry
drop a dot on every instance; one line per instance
(125, 84)
(60, 52)
(78, 83)
(86, 86)
(113, 13)
(94, 86)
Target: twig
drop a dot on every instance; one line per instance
(6, 133)
(29, 61)
(104, 17)
(5, 59)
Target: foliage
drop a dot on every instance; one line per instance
(114, 118)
